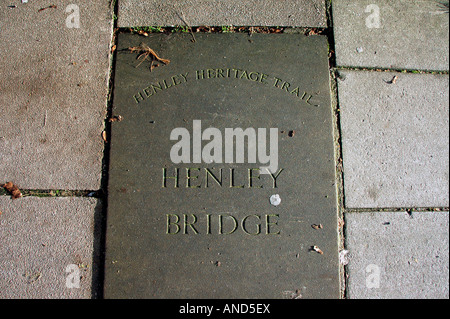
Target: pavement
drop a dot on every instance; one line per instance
(389, 65)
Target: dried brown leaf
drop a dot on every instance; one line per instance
(116, 118)
(13, 190)
(104, 137)
(317, 249)
(145, 34)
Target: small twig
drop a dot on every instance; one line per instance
(49, 7)
(182, 18)
(144, 52)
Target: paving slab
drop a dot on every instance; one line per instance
(296, 13)
(45, 242)
(53, 92)
(397, 255)
(395, 34)
(395, 139)
(215, 227)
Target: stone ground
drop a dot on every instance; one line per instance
(390, 66)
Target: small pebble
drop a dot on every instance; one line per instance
(275, 200)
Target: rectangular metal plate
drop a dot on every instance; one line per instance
(198, 229)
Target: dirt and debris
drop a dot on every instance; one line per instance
(288, 294)
(142, 32)
(314, 31)
(291, 133)
(315, 226)
(343, 260)
(32, 277)
(242, 29)
(340, 75)
(410, 213)
(316, 249)
(341, 223)
(394, 79)
(12, 189)
(214, 29)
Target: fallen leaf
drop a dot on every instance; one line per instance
(317, 249)
(13, 189)
(141, 32)
(320, 226)
(104, 136)
(116, 118)
(312, 32)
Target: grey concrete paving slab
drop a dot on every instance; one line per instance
(400, 34)
(301, 13)
(53, 92)
(395, 139)
(45, 244)
(397, 255)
